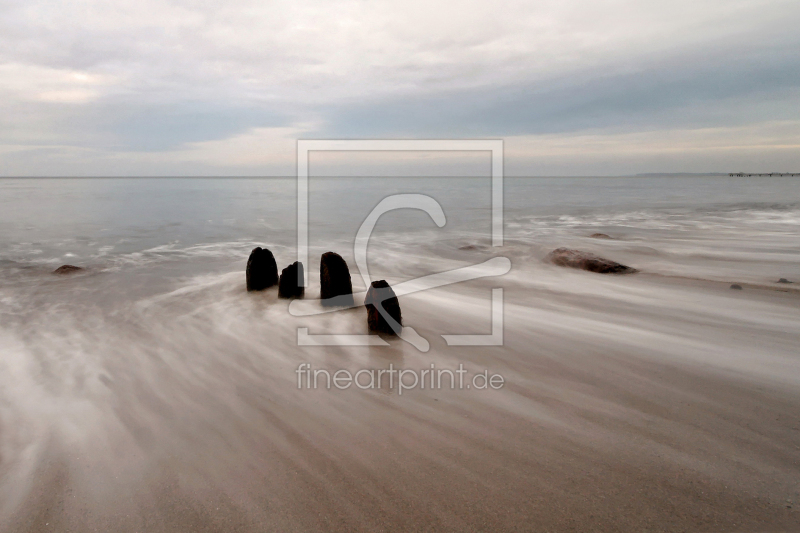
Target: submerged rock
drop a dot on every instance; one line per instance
(291, 282)
(67, 269)
(599, 236)
(262, 271)
(784, 280)
(736, 287)
(336, 287)
(381, 296)
(587, 261)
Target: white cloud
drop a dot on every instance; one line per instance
(68, 69)
(764, 147)
(302, 51)
(44, 84)
(769, 146)
(259, 151)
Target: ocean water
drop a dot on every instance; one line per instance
(701, 226)
(157, 351)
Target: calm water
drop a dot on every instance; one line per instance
(210, 224)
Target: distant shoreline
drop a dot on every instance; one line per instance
(645, 175)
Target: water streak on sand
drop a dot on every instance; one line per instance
(152, 392)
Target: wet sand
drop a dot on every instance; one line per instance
(639, 403)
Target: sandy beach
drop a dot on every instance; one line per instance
(611, 419)
(152, 392)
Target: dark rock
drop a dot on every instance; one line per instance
(587, 261)
(67, 269)
(291, 283)
(784, 280)
(383, 309)
(468, 247)
(262, 271)
(599, 236)
(736, 287)
(336, 287)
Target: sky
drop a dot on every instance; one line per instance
(573, 87)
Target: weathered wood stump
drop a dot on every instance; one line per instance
(383, 309)
(336, 287)
(291, 282)
(67, 269)
(262, 271)
(587, 261)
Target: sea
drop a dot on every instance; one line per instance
(156, 347)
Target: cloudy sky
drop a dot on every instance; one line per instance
(574, 87)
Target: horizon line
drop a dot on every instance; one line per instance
(289, 176)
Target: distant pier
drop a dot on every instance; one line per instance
(748, 174)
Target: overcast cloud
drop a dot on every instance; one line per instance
(150, 87)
